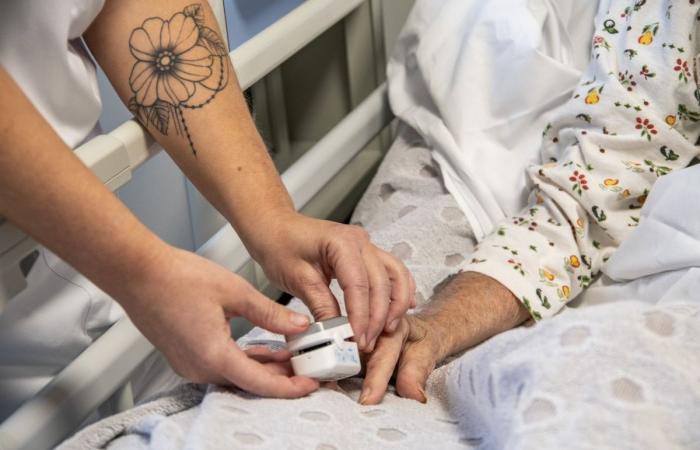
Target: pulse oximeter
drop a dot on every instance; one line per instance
(324, 351)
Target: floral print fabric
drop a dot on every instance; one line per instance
(633, 118)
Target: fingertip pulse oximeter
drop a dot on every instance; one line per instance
(324, 351)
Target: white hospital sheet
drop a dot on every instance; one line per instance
(621, 375)
(477, 80)
(660, 261)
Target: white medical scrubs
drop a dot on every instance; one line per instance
(60, 312)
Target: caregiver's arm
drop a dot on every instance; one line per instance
(468, 310)
(179, 301)
(168, 63)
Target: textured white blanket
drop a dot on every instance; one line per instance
(621, 375)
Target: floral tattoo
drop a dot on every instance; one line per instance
(180, 64)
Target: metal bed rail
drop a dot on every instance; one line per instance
(100, 372)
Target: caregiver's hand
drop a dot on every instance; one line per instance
(183, 306)
(225, 157)
(468, 310)
(180, 301)
(302, 255)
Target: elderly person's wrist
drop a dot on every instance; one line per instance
(433, 331)
(469, 309)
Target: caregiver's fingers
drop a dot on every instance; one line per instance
(380, 365)
(263, 354)
(276, 362)
(348, 265)
(379, 295)
(268, 314)
(402, 290)
(278, 368)
(252, 376)
(316, 295)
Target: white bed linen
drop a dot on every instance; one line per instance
(621, 374)
(477, 80)
(660, 261)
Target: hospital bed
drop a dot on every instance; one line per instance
(319, 182)
(622, 373)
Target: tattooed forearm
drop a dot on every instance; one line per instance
(180, 65)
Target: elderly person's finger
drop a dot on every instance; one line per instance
(380, 290)
(381, 364)
(417, 362)
(402, 290)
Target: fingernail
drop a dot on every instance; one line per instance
(394, 325)
(300, 320)
(424, 398)
(364, 396)
(371, 345)
(363, 341)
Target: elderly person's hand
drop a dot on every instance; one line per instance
(302, 255)
(468, 310)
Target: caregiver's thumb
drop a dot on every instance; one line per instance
(269, 315)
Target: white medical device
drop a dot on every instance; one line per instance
(324, 350)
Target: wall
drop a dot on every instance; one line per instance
(246, 18)
(394, 13)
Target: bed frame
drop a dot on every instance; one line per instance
(98, 379)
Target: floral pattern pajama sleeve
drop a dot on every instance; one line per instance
(633, 118)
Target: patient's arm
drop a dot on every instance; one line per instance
(602, 154)
(468, 310)
(168, 63)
